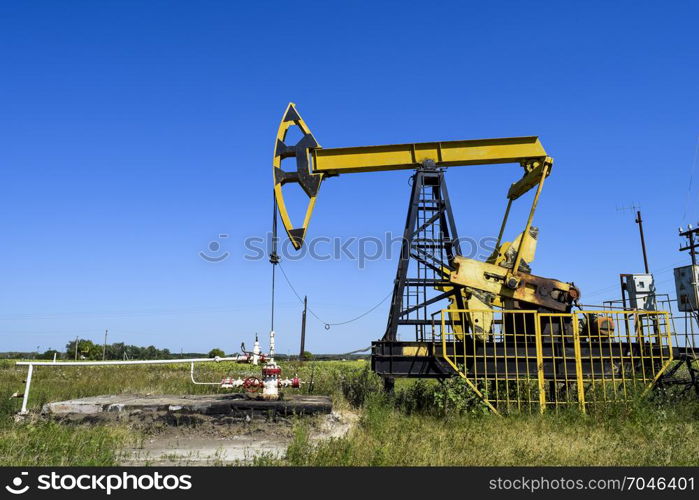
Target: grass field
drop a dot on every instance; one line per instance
(423, 423)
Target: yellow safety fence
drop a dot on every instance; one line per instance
(525, 360)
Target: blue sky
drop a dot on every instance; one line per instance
(132, 134)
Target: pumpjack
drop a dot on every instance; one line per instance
(433, 275)
(430, 244)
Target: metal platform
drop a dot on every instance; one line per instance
(497, 360)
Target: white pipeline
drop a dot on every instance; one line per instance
(241, 358)
(31, 364)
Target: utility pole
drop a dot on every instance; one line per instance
(104, 347)
(639, 221)
(273, 256)
(76, 348)
(303, 327)
(692, 245)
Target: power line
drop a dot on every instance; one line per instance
(659, 271)
(355, 351)
(326, 323)
(691, 178)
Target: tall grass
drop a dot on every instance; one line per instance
(386, 436)
(51, 443)
(37, 441)
(422, 423)
(428, 423)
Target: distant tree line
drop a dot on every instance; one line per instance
(118, 350)
(89, 350)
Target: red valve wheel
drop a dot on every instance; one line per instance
(252, 384)
(271, 371)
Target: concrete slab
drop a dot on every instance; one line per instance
(175, 409)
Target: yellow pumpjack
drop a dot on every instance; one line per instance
(504, 279)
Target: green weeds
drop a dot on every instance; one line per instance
(423, 423)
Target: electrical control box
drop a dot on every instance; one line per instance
(640, 289)
(686, 281)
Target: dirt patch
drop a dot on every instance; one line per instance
(236, 443)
